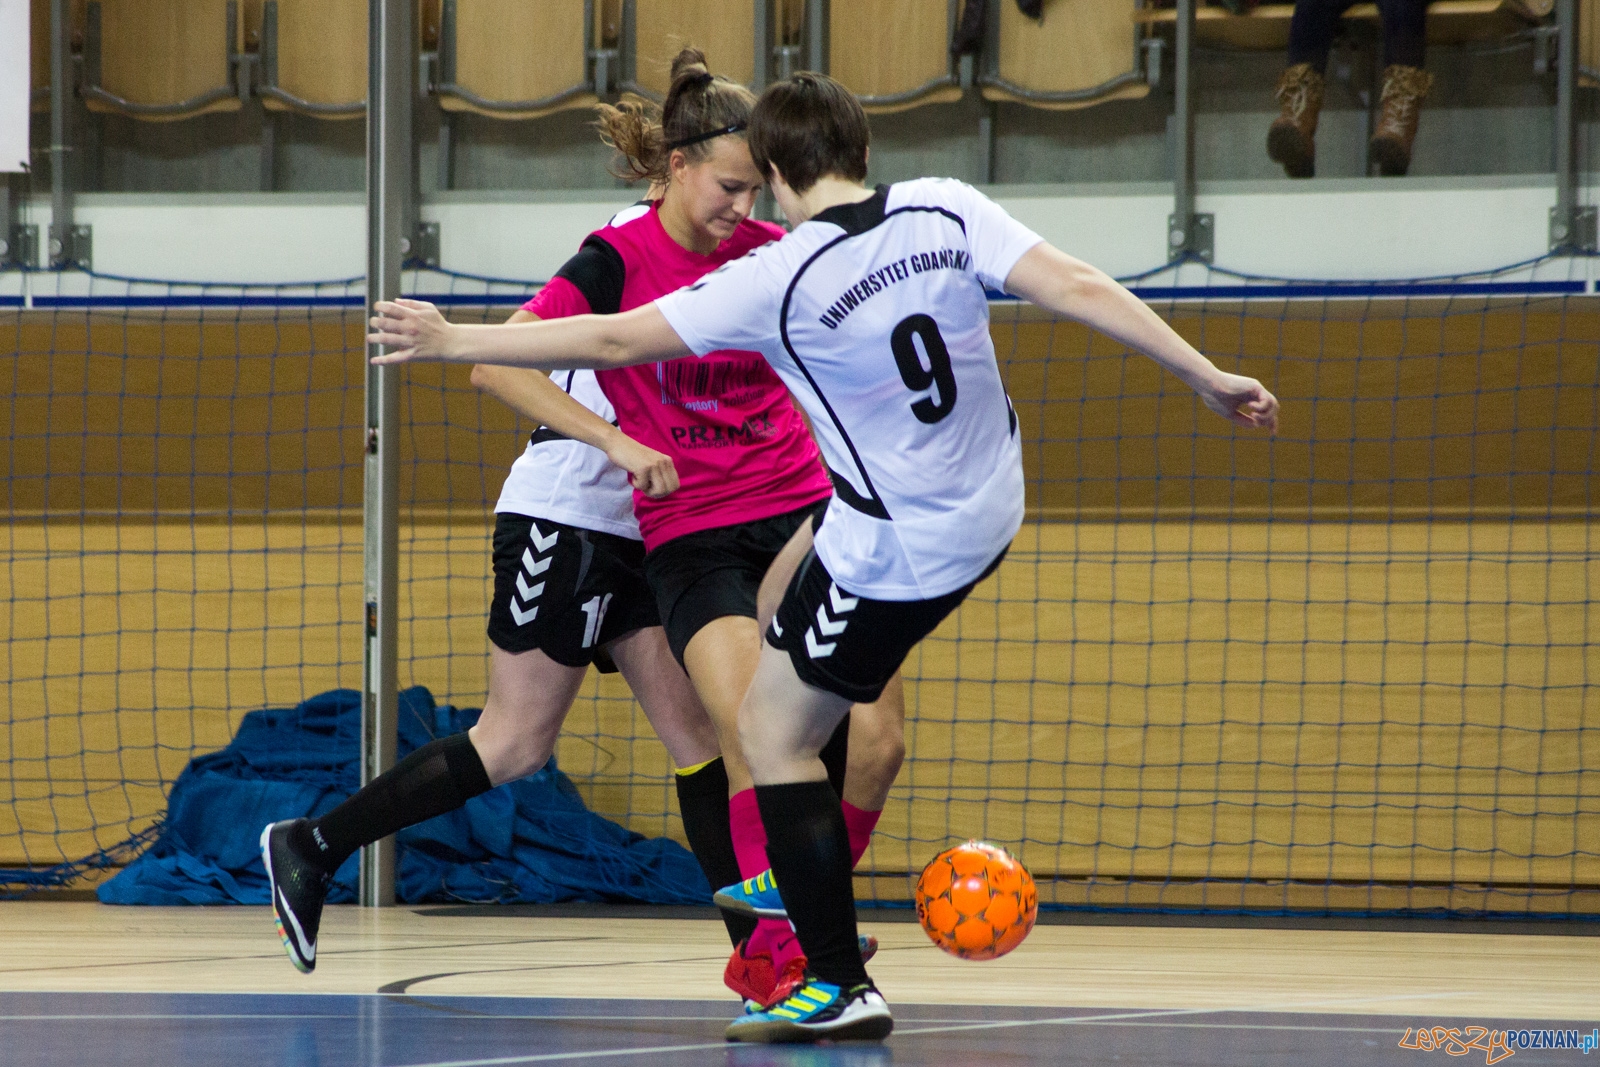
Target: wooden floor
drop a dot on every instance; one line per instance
(89, 947)
(472, 987)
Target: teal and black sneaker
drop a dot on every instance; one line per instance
(756, 896)
(817, 1011)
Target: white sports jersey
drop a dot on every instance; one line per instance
(875, 316)
(567, 481)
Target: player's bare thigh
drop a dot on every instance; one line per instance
(529, 697)
(721, 659)
(666, 695)
(784, 723)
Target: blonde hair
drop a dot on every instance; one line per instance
(698, 103)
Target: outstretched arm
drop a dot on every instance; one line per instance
(534, 396)
(1054, 280)
(416, 330)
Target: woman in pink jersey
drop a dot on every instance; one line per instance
(569, 591)
(749, 472)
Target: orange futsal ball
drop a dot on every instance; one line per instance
(976, 901)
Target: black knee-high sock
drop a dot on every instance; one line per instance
(810, 852)
(438, 777)
(703, 803)
(836, 753)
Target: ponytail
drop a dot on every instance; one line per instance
(699, 108)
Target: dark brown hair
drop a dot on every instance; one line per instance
(809, 126)
(698, 103)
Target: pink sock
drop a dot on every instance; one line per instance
(749, 836)
(783, 945)
(750, 848)
(859, 824)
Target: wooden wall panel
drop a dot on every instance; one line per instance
(1370, 668)
(1122, 701)
(1376, 414)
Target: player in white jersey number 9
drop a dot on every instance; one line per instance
(873, 311)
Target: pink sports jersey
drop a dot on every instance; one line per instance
(740, 446)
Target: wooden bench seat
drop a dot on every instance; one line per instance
(1080, 53)
(161, 60)
(1267, 27)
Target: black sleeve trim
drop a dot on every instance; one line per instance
(598, 272)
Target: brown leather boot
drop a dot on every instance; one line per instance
(1291, 141)
(1403, 91)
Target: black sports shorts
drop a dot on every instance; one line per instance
(565, 590)
(711, 573)
(852, 645)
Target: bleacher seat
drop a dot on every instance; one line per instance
(894, 54)
(313, 55)
(513, 59)
(723, 29)
(1082, 52)
(1589, 42)
(161, 59)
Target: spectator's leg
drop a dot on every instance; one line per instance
(1405, 83)
(1311, 31)
(1405, 32)
(1292, 139)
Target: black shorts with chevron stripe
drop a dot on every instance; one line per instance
(852, 645)
(565, 590)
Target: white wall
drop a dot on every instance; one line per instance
(16, 83)
(1321, 229)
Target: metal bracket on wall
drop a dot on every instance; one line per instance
(1573, 231)
(1153, 48)
(19, 249)
(606, 64)
(72, 250)
(422, 247)
(1190, 237)
(1545, 43)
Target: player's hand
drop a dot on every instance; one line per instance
(414, 329)
(1241, 400)
(651, 472)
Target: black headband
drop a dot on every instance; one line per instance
(685, 142)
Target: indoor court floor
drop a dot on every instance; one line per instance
(434, 986)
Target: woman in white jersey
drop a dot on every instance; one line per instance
(569, 590)
(750, 471)
(873, 311)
